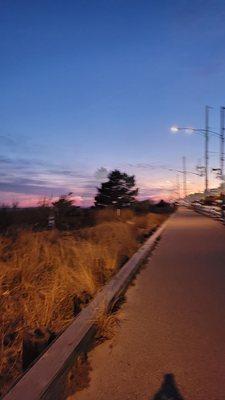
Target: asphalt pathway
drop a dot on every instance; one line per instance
(171, 340)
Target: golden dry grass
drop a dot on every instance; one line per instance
(42, 274)
(106, 325)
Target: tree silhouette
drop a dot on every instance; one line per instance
(62, 210)
(64, 203)
(119, 191)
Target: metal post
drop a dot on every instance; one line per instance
(118, 212)
(206, 149)
(184, 177)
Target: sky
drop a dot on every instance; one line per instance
(87, 86)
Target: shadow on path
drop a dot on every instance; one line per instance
(168, 390)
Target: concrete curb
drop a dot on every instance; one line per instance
(44, 379)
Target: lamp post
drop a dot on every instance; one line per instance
(206, 133)
(222, 145)
(206, 149)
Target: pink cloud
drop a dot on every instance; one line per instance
(30, 200)
(150, 187)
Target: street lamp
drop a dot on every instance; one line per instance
(206, 133)
(174, 129)
(222, 129)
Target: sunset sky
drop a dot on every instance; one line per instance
(87, 86)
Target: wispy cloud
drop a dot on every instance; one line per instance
(39, 190)
(38, 178)
(5, 160)
(7, 141)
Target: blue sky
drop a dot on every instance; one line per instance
(87, 84)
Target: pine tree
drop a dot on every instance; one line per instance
(119, 191)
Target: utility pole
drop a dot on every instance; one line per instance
(222, 148)
(184, 177)
(222, 140)
(206, 149)
(178, 186)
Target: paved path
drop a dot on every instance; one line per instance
(173, 322)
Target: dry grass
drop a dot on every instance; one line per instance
(106, 326)
(107, 215)
(44, 275)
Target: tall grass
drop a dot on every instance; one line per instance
(47, 277)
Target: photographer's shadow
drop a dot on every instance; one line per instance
(168, 390)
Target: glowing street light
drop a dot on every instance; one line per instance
(188, 129)
(174, 129)
(205, 132)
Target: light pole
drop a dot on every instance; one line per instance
(206, 149)
(184, 176)
(206, 133)
(222, 141)
(220, 170)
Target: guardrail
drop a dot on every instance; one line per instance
(44, 380)
(208, 211)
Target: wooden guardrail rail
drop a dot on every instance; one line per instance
(45, 378)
